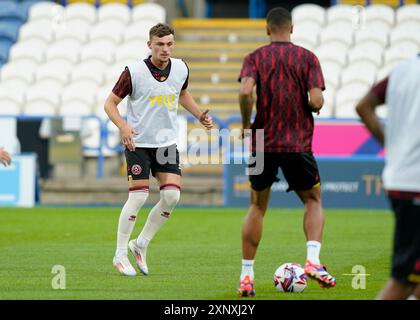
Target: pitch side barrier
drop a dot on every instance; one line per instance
(350, 163)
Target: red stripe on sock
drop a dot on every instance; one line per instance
(170, 186)
(143, 189)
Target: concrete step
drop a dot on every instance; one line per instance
(211, 56)
(215, 98)
(215, 46)
(214, 87)
(215, 66)
(213, 77)
(202, 190)
(221, 24)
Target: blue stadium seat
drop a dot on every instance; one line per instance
(4, 49)
(26, 4)
(9, 31)
(11, 12)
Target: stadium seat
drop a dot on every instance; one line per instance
(334, 52)
(50, 71)
(130, 52)
(347, 98)
(342, 33)
(366, 52)
(305, 37)
(63, 51)
(25, 52)
(360, 72)
(408, 13)
(110, 32)
(307, 25)
(10, 104)
(90, 70)
(8, 31)
(17, 71)
(138, 31)
(98, 52)
(327, 110)
(405, 34)
(331, 72)
(148, 11)
(79, 35)
(340, 13)
(81, 12)
(48, 11)
(113, 73)
(41, 30)
(309, 12)
(11, 12)
(378, 37)
(114, 12)
(76, 100)
(379, 17)
(400, 52)
(5, 46)
(384, 72)
(41, 100)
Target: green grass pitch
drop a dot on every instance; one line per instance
(196, 255)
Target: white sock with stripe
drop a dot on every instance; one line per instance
(169, 197)
(136, 198)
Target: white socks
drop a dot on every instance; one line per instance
(312, 249)
(247, 269)
(169, 197)
(136, 198)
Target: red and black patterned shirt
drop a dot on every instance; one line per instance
(284, 73)
(123, 87)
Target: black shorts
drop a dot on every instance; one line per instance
(406, 251)
(299, 169)
(143, 160)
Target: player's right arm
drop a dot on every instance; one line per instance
(248, 76)
(122, 88)
(246, 101)
(127, 133)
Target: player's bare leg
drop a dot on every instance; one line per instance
(396, 290)
(251, 236)
(138, 193)
(169, 196)
(313, 225)
(313, 219)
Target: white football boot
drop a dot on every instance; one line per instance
(140, 256)
(124, 266)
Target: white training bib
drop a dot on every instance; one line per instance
(153, 105)
(402, 130)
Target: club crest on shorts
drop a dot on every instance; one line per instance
(136, 169)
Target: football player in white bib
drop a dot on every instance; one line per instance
(154, 87)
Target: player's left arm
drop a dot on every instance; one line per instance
(188, 102)
(366, 110)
